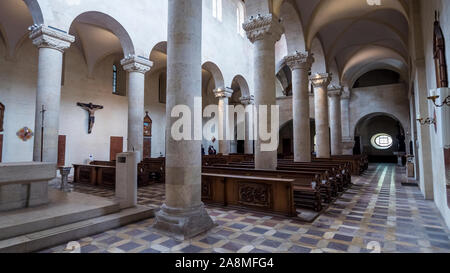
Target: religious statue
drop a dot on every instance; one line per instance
(90, 108)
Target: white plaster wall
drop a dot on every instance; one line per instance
(146, 23)
(18, 94)
(428, 8)
(390, 99)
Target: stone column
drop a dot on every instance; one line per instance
(51, 44)
(248, 142)
(223, 95)
(320, 83)
(264, 31)
(183, 214)
(136, 67)
(335, 120)
(300, 64)
(348, 141)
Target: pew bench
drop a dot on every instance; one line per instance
(308, 187)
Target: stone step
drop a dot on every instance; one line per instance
(62, 234)
(64, 209)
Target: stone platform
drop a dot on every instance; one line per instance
(68, 216)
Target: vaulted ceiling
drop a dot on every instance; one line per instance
(349, 29)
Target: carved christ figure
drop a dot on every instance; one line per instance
(90, 108)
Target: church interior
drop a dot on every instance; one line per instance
(224, 126)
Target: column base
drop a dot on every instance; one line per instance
(183, 224)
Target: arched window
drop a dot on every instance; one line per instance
(439, 55)
(119, 80)
(114, 83)
(240, 15)
(217, 9)
(382, 141)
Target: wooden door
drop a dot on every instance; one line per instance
(116, 147)
(147, 147)
(61, 151)
(287, 147)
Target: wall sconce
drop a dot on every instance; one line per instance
(445, 102)
(427, 121)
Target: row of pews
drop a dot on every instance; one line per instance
(229, 181)
(233, 181)
(103, 173)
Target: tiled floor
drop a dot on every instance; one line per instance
(376, 212)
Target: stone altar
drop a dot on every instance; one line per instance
(24, 185)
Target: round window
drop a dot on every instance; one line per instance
(382, 141)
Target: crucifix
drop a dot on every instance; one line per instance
(90, 108)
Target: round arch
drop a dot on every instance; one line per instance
(216, 74)
(105, 21)
(240, 80)
(293, 28)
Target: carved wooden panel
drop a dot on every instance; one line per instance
(61, 151)
(439, 55)
(206, 190)
(255, 195)
(2, 115)
(147, 147)
(1, 147)
(116, 147)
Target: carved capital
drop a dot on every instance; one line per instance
(300, 60)
(48, 37)
(223, 93)
(134, 63)
(346, 94)
(334, 91)
(263, 26)
(320, 80)
(250, 100)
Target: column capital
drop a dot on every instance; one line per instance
(334, 91)
(49, 37)
(346, 93)
(261, 26)
(134, 63)
(320, 80)
(223, 93)
(250, 100)
(300, 60)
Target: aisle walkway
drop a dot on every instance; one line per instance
(376, 212)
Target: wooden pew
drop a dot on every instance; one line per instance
(266, 194)
(103, 173)
(151, 170)
(340, 169)
(328, 185)
(308, 186)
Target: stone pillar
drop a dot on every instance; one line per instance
(248, 142)
(348, 141)
(264, 31)
(51, 44)
(223, 95)
(183, 214)
(300, 64)
(136, 67)
(335, 120)
(320, 83)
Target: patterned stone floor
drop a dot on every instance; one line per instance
(376, 214)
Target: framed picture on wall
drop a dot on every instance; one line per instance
(162, 87)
